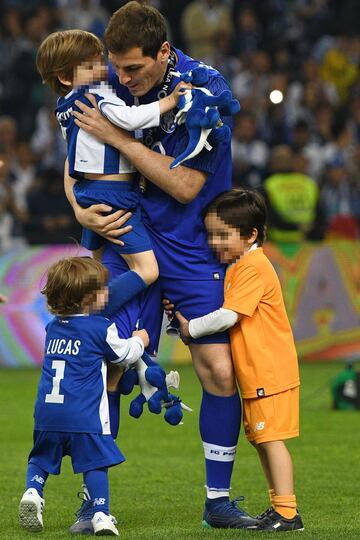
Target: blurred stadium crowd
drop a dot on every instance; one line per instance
(293, 64)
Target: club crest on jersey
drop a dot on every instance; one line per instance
(167, 122)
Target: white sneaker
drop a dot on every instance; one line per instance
(30, 510)
(103, 525)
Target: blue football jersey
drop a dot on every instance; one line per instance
(177, 230)
(72, 389)
(86, 154)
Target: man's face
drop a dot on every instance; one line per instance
(140, 73)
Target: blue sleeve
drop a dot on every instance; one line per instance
(122, 289)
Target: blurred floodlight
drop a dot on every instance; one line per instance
(276, 96)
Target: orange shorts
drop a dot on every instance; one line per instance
(272, 418)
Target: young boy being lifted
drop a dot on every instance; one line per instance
(72, 63)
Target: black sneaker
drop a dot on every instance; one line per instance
(224, 514)
(272, 521)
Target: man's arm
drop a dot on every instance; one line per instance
(182, 183)
(95, 217)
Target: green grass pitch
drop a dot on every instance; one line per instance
(158, 492)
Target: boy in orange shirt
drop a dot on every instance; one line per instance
(262, 345)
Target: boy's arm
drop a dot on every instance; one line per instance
(217, 321)
(123, 352)
(132, 117)
(136, 117)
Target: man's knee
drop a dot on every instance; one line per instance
(214, 368)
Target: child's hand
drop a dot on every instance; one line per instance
(180, 89)
(184, 328)
(169, 102)
(142, 334)
(168, 307)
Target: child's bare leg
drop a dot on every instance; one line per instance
(265, 464)
(144, 263)
(277, 466)
(97, 253)
(278, 469)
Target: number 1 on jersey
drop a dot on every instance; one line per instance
(55, 396)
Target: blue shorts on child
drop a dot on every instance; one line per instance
(88, 451)
(118, 195)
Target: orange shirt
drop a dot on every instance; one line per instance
(262, 343)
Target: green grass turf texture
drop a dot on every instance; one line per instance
(158, 492)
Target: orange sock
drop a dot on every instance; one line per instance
(271, 496)
(285, 505)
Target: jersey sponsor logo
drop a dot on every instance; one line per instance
(259, 426)
(63, 346)
(167, 122)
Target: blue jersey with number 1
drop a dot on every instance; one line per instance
(72, 389)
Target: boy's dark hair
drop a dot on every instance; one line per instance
(73, 282)
(242, 209)
(136, 25)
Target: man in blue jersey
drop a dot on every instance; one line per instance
(172, 203)
(71, 410)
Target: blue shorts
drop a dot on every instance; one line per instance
(117, 195)
(88, 451)
(192, 298)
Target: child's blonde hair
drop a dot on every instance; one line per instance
(73, 283)
(61, 52)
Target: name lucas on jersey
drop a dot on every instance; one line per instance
(63, 346)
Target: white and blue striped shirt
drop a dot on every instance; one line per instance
(86, 154)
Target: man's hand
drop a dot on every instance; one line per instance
(142, 334)
(92, 121)
(3, 298)
(169, 308)
(184, 328)
(110, 226)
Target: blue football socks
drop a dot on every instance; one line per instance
(36, 478)
(219, 423)
(97, 483)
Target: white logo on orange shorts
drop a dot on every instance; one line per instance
(259, 426)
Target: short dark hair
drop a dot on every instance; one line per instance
(243, 209)
(136, 25)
